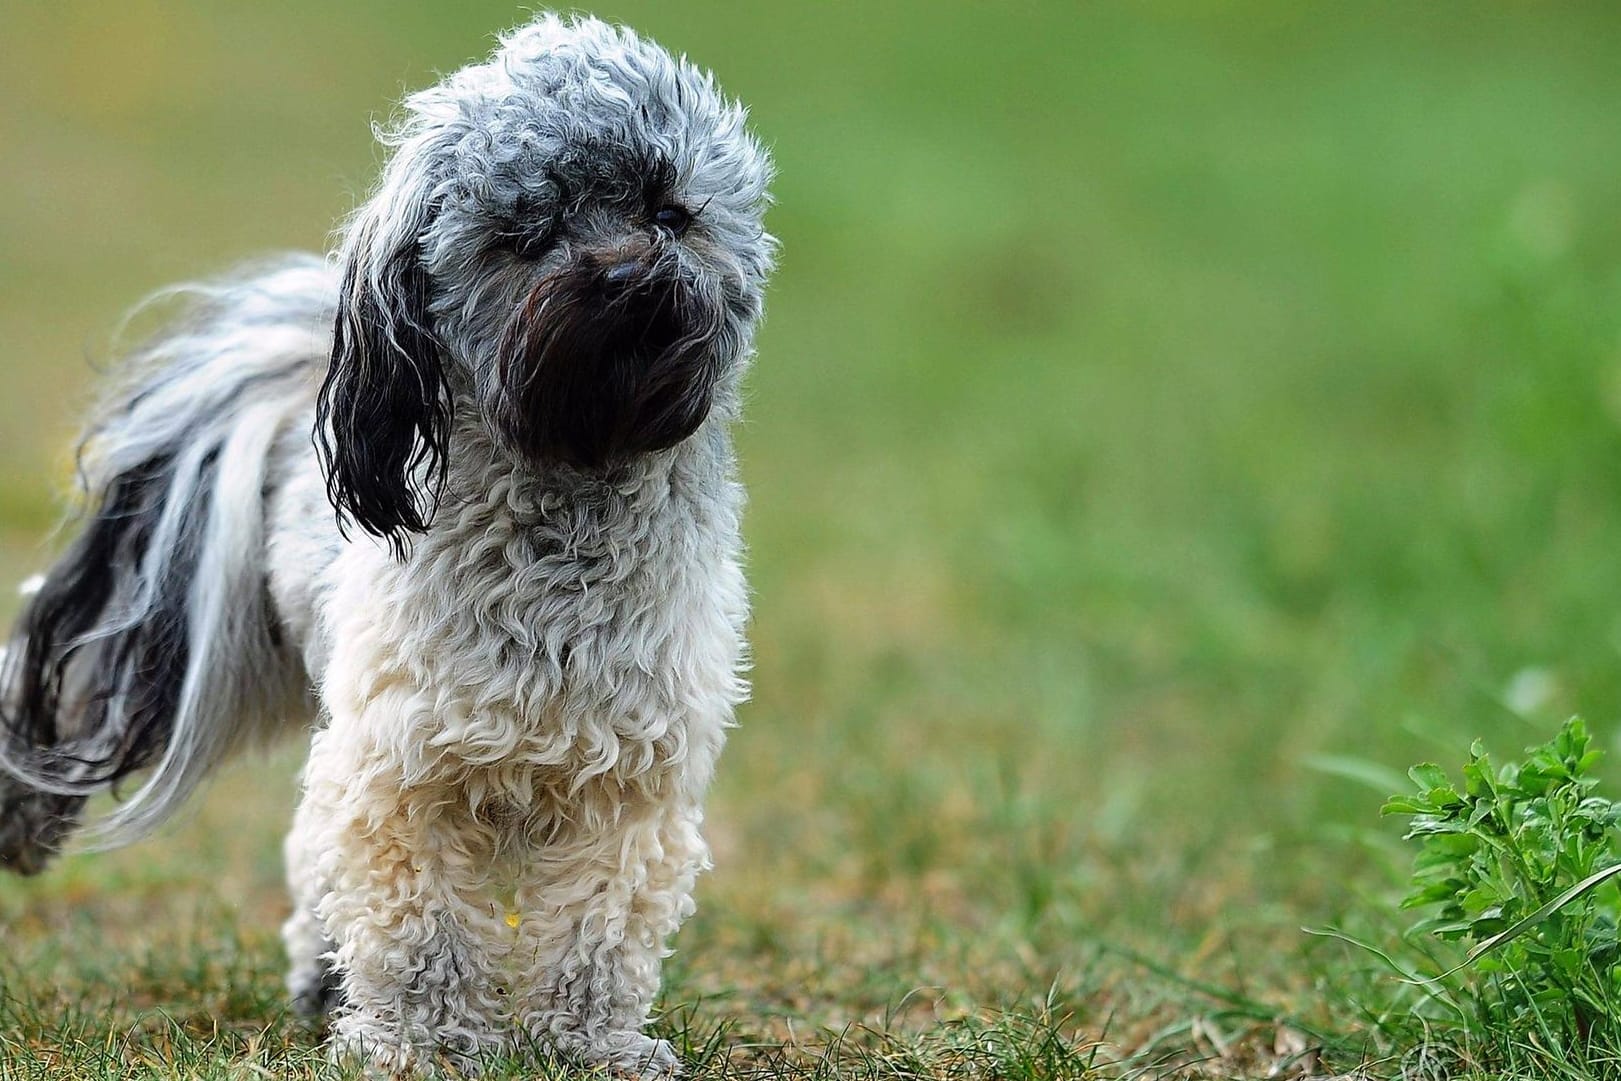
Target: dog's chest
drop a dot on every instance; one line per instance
(587, 636)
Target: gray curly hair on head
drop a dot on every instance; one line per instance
(572, 233)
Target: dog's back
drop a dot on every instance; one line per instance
(150, 644)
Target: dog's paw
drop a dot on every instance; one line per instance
(376, 1053)
(644, 1058)
(316, 992)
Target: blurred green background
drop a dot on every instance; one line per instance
(1155, 400)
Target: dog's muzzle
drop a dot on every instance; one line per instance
(612, 356)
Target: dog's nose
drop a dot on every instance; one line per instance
(624, 272)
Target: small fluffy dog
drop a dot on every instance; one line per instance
(503, 580)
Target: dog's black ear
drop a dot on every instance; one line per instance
(384, 413)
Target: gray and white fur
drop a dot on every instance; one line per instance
(502, 584)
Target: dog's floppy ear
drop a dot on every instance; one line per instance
(384, 413)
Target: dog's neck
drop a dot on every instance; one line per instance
(487, 481)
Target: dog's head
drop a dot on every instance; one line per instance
(567, 239)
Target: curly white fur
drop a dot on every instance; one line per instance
(533, 700)
(520, 638)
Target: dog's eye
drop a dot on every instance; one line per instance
(672, 219)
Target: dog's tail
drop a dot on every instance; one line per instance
(151, 644)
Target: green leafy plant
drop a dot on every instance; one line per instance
(1518, 863)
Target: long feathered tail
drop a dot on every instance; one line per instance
(150, 646)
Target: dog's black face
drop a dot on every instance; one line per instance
(571, 245)
(614, 354)
(621, 327)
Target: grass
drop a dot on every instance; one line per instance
(1168, 423)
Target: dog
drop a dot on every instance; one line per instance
(460, 500)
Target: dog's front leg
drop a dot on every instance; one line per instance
(404, 867)
(312, 977)
(596, 908)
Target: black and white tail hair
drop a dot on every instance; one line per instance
(150, 644)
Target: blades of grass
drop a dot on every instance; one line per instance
(1431, 984)
(1255, 1010)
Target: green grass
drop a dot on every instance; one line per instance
(1163, 419)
